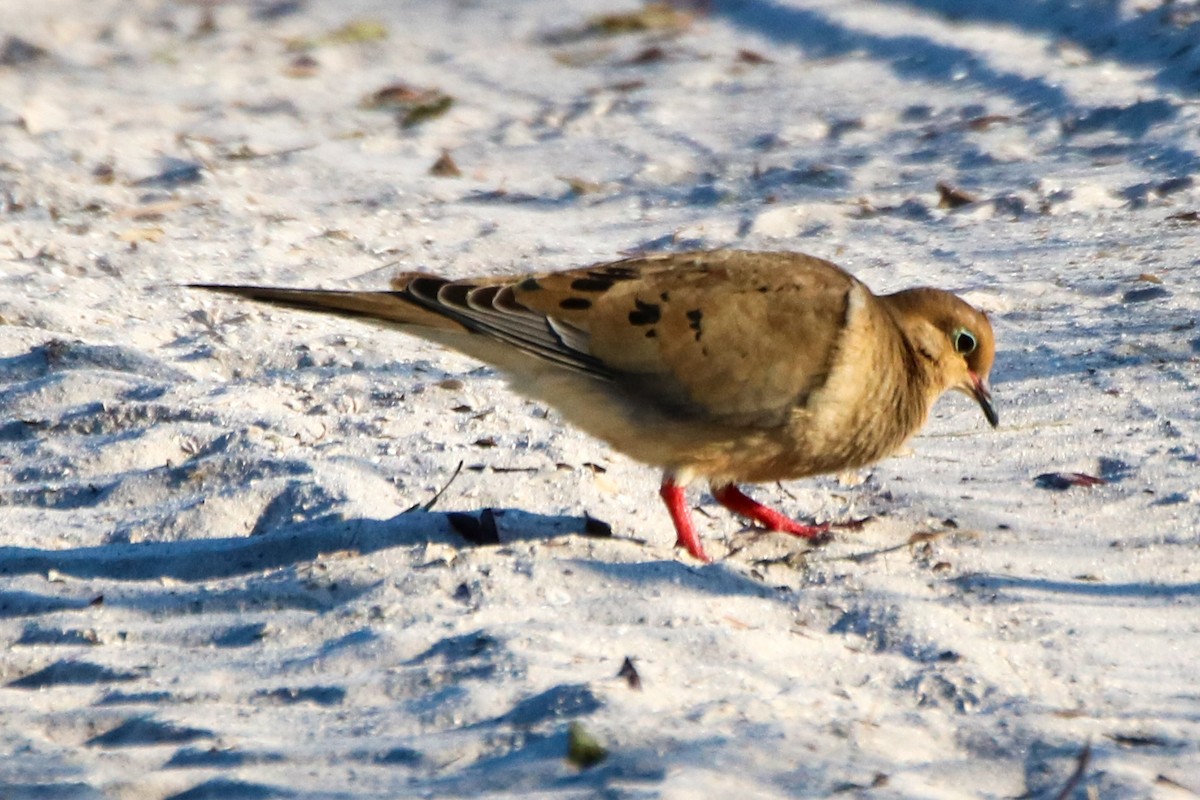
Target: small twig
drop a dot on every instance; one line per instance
(1163, 780)
(1081, 764)
(917, 538)
(246, 154)
(428, 506)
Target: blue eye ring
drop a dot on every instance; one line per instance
(964, 342)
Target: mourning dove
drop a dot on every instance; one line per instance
(727, 365)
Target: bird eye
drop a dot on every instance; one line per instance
(964, 342)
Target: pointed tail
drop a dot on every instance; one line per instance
(395, 307)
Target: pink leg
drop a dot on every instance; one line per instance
(732, 498)
(685, 533)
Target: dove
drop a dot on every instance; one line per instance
(729, 366)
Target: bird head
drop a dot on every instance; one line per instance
(955, 340)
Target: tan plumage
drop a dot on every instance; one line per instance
(727, 365)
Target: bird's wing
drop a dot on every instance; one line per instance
(730, 336)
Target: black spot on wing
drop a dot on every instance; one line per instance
(615, 273)
(694, 316)
(591, 284)
(650, 334)
(529, 285)
(645, 313)
(575, 304)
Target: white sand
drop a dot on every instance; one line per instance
(207, 590)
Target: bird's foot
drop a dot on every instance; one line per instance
(732, 498)
(685, 533)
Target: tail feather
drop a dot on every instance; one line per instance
(390, 307)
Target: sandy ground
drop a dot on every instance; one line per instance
(209, 586)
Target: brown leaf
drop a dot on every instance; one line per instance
(629, 672)
(987, 121)
(649, 56)
(1069, 713)
(302, 66)
(752, 57)
(396, 95)
(414, 104)
(104, 174)
(1185, 216)
(445, 167)
(953, 197)
(921, 537)
(1061, 481)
